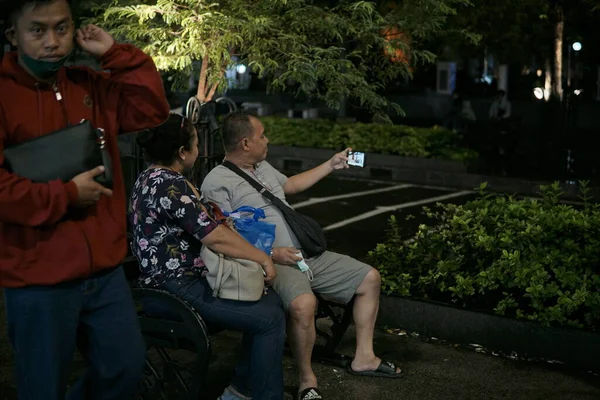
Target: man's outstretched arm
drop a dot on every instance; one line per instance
(301, 182)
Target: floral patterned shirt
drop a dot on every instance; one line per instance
(168, 223)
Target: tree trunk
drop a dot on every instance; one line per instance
(557, 89)
(201, 94)
(486, 63)
(547, 80)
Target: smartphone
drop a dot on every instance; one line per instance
(356, 158)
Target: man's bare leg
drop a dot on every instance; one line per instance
(366, 306)
(302, 336)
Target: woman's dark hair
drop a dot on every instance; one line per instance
(161, 144)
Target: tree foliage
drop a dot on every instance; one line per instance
(327, 51)
(516, 30)
(509, 29)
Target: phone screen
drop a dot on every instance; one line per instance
(356, 158)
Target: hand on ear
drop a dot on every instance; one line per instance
(94, 40)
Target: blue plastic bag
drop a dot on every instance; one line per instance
(259, 233)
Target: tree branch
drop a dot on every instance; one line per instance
(201, 94)
(215, 85)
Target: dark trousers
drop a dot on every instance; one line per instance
(98, 315)
(259, 372)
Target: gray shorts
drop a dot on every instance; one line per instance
(336, 277)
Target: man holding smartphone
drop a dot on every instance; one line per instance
(62, 242)
(336, 277)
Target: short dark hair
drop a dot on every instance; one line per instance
(235, 126)
(14, 8)
(161, 144)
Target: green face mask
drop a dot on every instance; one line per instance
(43, 69)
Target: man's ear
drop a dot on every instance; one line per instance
(11, 35)
(244, 143)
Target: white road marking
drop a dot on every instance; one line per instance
(385, 209)
(440, 188)
(317, 200)
(382, 182)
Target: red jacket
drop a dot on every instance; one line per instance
(43, 240)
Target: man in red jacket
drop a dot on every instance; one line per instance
(61, 243)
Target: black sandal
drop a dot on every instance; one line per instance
(386, 369)
(311, 393)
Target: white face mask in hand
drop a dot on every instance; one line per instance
(304, 267)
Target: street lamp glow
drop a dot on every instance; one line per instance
(577, 46)
(241, 69)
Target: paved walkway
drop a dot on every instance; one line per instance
(433, 372)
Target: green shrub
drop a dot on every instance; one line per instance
(297, 132)
(530, 259)
(401, 140)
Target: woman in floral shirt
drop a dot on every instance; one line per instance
(170, 225)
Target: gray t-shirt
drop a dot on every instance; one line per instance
(229, 191)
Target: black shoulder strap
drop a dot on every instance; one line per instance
(256, 185)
